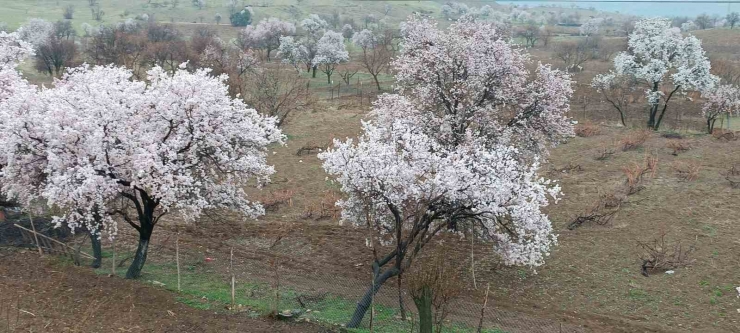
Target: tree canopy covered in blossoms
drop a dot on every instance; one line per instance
(665, 61)
(266, 35)
(101, 146)
(456, 148)
(330, 52)
(722, 100)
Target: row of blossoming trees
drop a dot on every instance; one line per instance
(457, 147)
(668, 65)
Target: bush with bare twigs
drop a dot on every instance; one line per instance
(587, 129)
(275, 199)
(314, 147)
(602, 211)
(605, 152)
(634, 139)
(433, 284)
(687, 171)
(326, 208)
(678, 146)
(659, 255)
(724, 135)
(570, 168)
(636, 173)
(733, 176)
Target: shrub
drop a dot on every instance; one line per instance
(687, 171)
(678, 147)
(605, 152)
(636, 173)
(634, 139)
(241, 19)
(587, 129)
(659, 255)
(601, 212)
(433, 284)
(733, 176)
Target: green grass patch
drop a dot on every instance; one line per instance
(205, 289)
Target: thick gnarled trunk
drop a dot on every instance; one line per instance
(145, 234)
(97, 250)
(424, 306)
(366, 299)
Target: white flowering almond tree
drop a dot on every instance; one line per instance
(455, 149)
(720, 101)
(266, 35)
(591, 27)
(330, 52)
(117, 148)
(293, 52)
(664, 61)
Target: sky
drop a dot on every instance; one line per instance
(647, 8)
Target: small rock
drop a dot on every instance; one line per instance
(669, 272)
(157, 283)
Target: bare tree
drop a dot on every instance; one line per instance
(703, 21)
(97, 13)
(546, 33)
(530, 33)
(574, 53)
(727, 70)
(733, 19)
(377, 50)
(277, 91)
(69, 12)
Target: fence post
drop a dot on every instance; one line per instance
(177, 259)
(483, 309)
(231, 270)
(113, 263)
(35, 236)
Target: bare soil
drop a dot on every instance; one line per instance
(42, 295)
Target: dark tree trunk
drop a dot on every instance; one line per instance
(424, 306)
(328, 78)
(710, 124)
(313, 74)
(97, 251)
(364, 302)
(377, 83)
(134, 271)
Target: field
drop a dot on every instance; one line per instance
(300, 257)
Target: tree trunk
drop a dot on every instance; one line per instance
(134, 271)
(621, 116)
(328, 78)
(313, 74)
(366, 299)
(400, 298)
(97, 251)
(377, 83)
(424, 306)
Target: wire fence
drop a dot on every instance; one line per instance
(291, 283)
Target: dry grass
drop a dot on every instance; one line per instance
(733, 176)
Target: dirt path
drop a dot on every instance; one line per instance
(37, 295)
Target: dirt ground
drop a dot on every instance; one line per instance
(42, 295)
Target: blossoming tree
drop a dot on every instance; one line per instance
(456, 149)
(266, 35)
(118, 148)
(330, 52)
(720, 101)
(664, 61)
